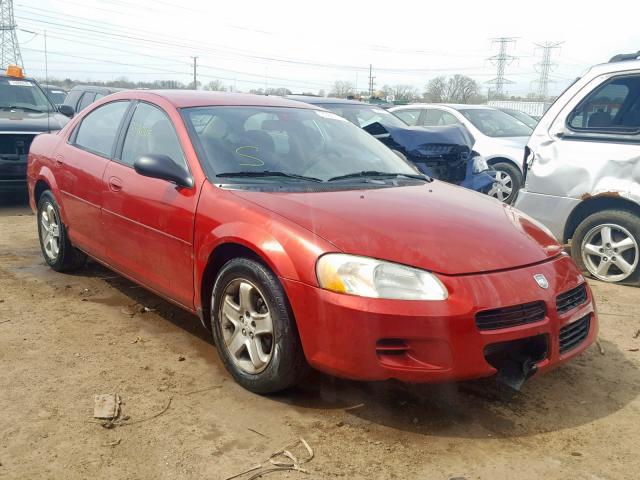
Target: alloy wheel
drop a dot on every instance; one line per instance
(610, 252)
(502, 187)
(247, 326)
(50, 231)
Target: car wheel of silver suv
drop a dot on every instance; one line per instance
(606, 244)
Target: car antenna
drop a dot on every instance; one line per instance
(46, 81)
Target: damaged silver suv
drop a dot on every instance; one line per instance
(582, 170)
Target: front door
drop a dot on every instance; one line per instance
(81, 163)
(149, 222)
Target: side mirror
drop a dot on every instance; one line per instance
(66, 110)
(164, 168)
(377, 130)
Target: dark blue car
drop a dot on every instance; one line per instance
(445, 153)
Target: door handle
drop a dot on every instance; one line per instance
(59, 160)
(115, 184)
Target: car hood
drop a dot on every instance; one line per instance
(21, 121)
(435, 226)
(415, 138)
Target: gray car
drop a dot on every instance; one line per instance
(583, 170)
(499, 137)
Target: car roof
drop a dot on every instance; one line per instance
(204, 98)
(30, 79)
(324, 100)
(453, 106)
(98, 88)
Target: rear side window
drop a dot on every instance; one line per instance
(87, 99)
(151, 132)
(97, 132)
(614, 107)
(410, 116)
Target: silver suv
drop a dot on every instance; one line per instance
(582, 172)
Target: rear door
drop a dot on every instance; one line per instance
(149, 222)
(81, 163)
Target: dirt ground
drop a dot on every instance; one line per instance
(65, 338)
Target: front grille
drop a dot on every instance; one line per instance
(569, 300)
(574, 334)
(15, 147)
(511, 316)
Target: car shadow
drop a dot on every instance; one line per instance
(590, 387)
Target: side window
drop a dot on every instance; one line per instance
(613, 107)
(87, 99)
(98, 96)
(98, 129)
(448, 119)
(151, 132)
(72, 99)
(409, 116)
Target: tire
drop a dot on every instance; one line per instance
(56, 248)
(278, 361)
(589, 246)
(510, 177)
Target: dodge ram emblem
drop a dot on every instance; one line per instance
(541, 280)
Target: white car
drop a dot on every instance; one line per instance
(499, 137)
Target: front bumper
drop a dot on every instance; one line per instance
(13, 174)
(415, 341)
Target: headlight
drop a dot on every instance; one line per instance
(480, 164)
(368, 277)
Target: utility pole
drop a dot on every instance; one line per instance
(501, 60)
(544, 67)
(371, 78)
(9, 48)
(195, 73)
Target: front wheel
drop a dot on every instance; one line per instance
(606, 244)
(508, 182)
(254, 329)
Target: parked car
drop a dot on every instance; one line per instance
(25, 111)
(55, 93)
(525, 118)
(301, 240)
(445, 153)
(583, 164)
(499, 138)
(80, 96)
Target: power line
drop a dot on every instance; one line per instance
(501, 60)
(545, 66)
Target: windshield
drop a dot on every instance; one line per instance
(495, 123)
(523, 117)
(300, 142)
(363, 115)
(16, 93)
(56, 95)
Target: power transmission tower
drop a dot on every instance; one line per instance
(501, 60)
(9, 48)
(544, 67)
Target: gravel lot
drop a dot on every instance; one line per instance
(65, 338)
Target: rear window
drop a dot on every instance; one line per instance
(97, 132)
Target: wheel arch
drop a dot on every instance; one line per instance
(594, 204)
(494, 160)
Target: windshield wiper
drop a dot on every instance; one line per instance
(375, 173)
(269, 173)
(27, 109)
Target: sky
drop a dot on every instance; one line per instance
(306, 46)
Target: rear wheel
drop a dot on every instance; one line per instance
(253, 328)
(606, 244)
(56, 248)
(508, 182)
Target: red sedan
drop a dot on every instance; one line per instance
(301, 240)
